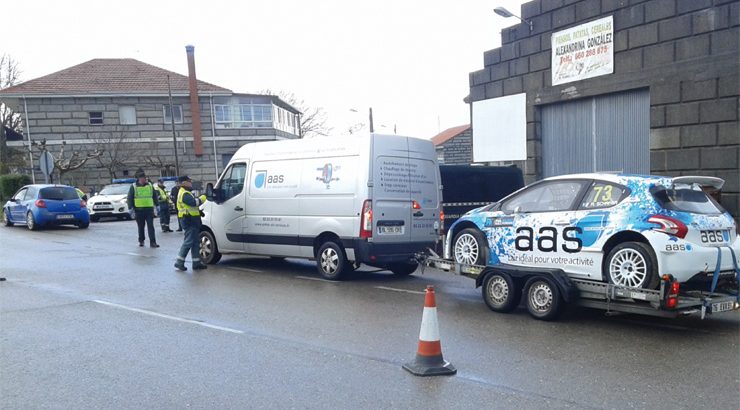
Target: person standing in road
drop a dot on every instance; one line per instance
(142, 198)
(189, 214)
(173, 197)
(165, 204)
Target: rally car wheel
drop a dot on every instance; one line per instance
(543, 299)
(470, 247)
(500, 292)
(632, 264)
(209, 253)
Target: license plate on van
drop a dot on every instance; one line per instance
(391, 230)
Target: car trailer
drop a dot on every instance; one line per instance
(548, 290)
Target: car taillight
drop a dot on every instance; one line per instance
(415, 205)
(668, 225)
(366, 220)
(40, 203)
(672, 288)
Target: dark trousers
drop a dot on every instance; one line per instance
(145, 216)
(164, 216)
(191, 243)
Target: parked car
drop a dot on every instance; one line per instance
(111, 201)
(625, 229)
(41, 205)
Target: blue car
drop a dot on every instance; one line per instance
(42, 205)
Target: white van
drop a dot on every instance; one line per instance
(373, 200)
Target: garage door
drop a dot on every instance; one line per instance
(605, 133)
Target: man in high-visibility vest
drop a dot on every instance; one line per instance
(189, 213)
(142, 198)
(165, 204)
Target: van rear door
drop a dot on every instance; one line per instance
(425, 190)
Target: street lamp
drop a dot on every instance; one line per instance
(506, 13)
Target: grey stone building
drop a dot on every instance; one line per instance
(661, 97)
(454, 146)
(122, 107)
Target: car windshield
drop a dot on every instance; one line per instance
(686, 200)
(117, 189)
(58, 193)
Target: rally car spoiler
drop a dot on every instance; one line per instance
(713, 182)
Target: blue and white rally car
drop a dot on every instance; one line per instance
(623, 229)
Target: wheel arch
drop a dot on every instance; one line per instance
(454, 230)
(325, 237)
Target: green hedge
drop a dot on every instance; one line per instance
(10, 183)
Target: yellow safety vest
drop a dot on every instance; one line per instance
(79, 193)
(143, 196)
(163, 198)
(183, 208)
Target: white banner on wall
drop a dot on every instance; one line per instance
(500, 129)
(583, 51)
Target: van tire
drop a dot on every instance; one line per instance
(403, 269)
(209, 253)
(331, 261)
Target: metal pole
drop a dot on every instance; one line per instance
(28, 132)
(371, 120)
(172, 120)
(213, 135)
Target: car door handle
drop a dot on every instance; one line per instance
(238, 208)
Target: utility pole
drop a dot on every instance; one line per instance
(172, 121)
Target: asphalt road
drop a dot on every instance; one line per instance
(90, 320)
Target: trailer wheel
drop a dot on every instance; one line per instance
(470, 247)
(332, 262)
(500, 292)
(543, 299)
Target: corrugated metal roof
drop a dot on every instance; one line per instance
(114, 76)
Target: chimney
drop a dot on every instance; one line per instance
(194, 104)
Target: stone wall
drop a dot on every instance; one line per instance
(458, 150)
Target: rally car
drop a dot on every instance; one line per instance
(628, 230)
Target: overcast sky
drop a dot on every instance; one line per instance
(407, 59)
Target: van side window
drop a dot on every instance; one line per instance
(233, 182)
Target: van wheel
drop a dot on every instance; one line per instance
(470, 247)
(632, 264)
(209, 253)
(332, 263)
(543, 299)
(500, 292)
(403, 269)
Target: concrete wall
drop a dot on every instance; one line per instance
(685, 51)
(64, 122)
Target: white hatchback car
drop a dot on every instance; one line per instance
(625, 229)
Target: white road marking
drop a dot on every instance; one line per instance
(139, 254)
(415, 292)
(161, 315)
(317, 279)
(245, 269)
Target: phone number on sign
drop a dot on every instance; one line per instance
(592, 52)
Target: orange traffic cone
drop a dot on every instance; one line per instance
(429, 361)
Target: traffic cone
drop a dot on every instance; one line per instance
(429, 361)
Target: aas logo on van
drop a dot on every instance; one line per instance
(262, 179)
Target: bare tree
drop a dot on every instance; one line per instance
(313, 119)
(9, 118)
(117, 153)
(68, 158)
(164, 164)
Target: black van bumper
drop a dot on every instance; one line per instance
(384, 254)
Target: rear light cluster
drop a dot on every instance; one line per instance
(40, 203)
(672, 288)
(441, 222)
(366, 220)
(668, 225)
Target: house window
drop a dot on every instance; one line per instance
(96, 117)
(127, 115)
(243, 116)
(168, 115)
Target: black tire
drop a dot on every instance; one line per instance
(331, 261)
(632, 264)
(209, 253)
(543, 299)
(94, 218)
(83, 225)
(6, 219)
(403, 269)
(470, 247)
(500, 292)
(31, 222)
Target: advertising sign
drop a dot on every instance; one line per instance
(583, 51)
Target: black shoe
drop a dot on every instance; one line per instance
(153, 245)
(181, 267)
(200, 266)
(141, 243)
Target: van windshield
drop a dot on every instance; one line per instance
(686, 200)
